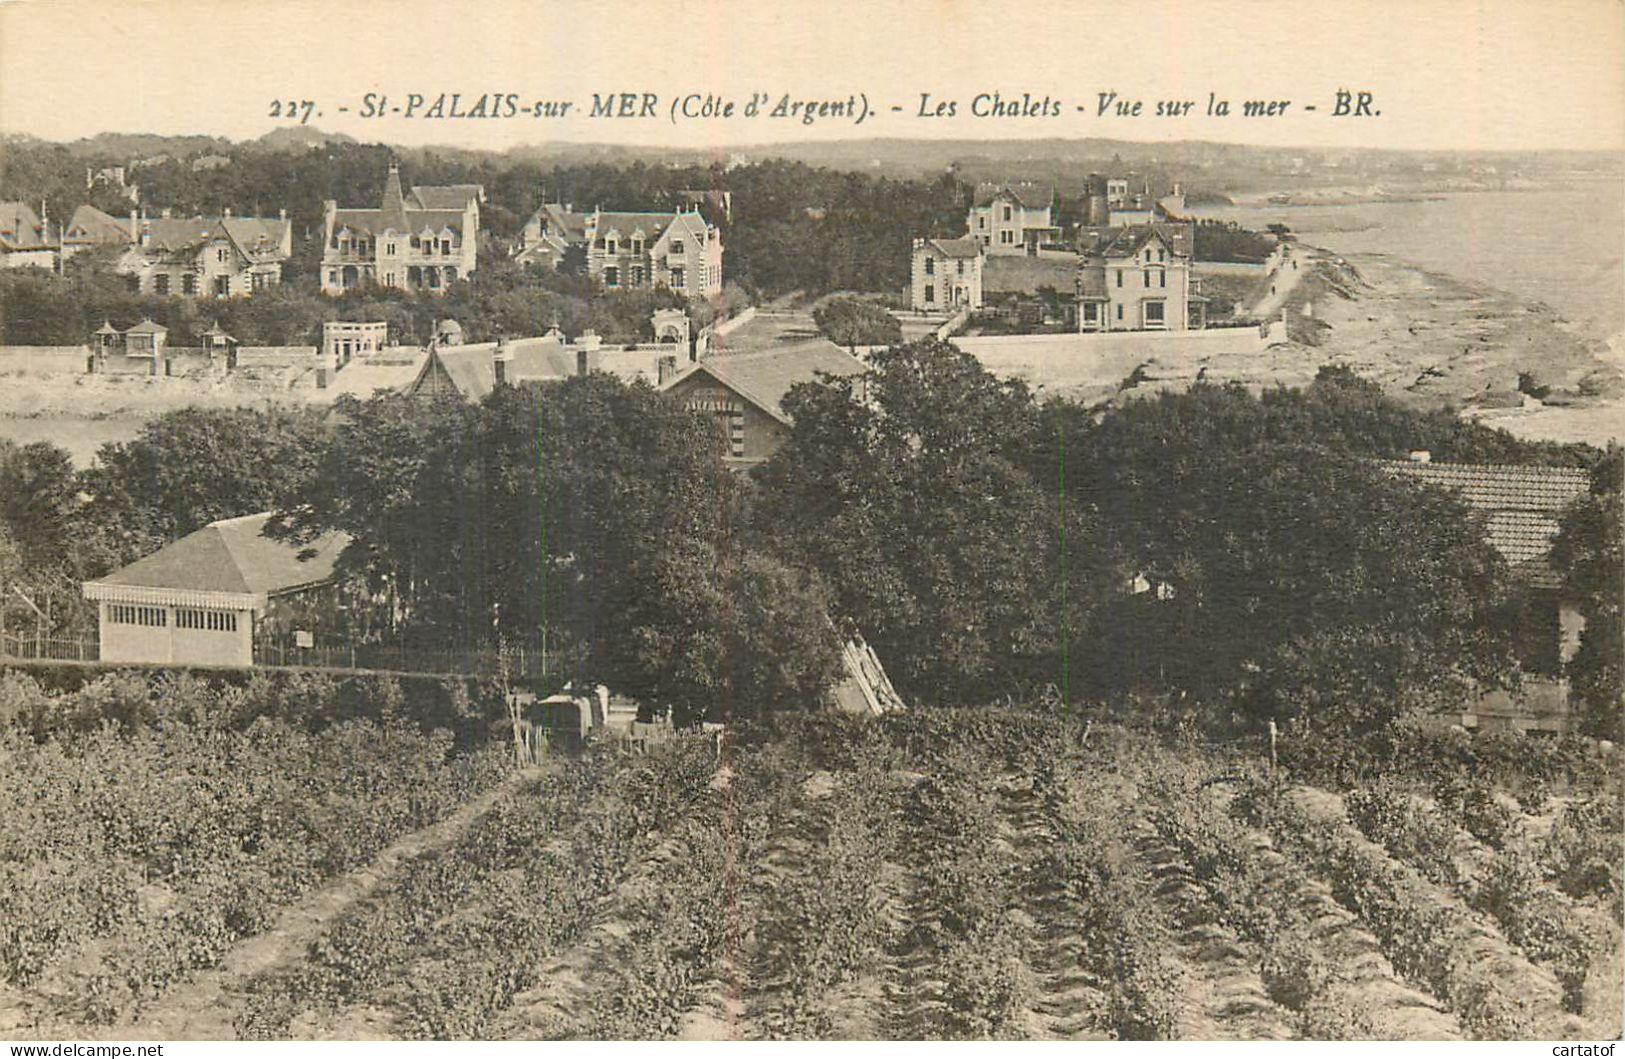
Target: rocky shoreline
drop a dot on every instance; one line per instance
(1442, 341)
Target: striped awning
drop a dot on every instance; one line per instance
(173, 597)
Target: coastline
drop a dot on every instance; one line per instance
(1447, 342)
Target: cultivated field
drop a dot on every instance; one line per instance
(960, 874)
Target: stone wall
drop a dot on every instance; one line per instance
(43, 360)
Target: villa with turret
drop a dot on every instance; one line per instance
(424, 240)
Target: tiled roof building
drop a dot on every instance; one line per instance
(199, 256)
(471, 371)
(946, 275)
(1521, 505)
(425, 240)
(744, 393)
(630, 250)
(25, 237)
(196, 601)
(1013, 218)
(1138, 278)
(1522, 508)
(90, 227)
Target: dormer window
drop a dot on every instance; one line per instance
(637, 246)
(609, 246)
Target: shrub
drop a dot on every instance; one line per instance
(1585, 849)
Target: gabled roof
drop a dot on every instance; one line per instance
(473, 374)
(445, 196)
(572, 226)
(1128, 240)
(20, 227)
(567, 224)
(256, 235)
(234, 556)
(965, 247)
(99, 227)
(1028, 194)
(146, 327)
(1522, 506)
(765, 378)
(253, 236)
(652, 225)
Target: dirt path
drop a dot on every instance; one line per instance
(1294, 266)
(202, 1009)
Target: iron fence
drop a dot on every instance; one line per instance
(521, 661)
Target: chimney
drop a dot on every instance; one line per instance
(501, 357)
(590, 341)
(135, 225)
(166, 213)
(225, 213)
(1421, 456)
(282, 214)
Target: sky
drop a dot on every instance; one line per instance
(1442, 74)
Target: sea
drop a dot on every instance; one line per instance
(1564, 248)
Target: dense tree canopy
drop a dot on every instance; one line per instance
(1209, 544)
(853, 322)
(1272, 553)
(900, 488)
(1590, 551)
(587, 514)
(193, 466)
